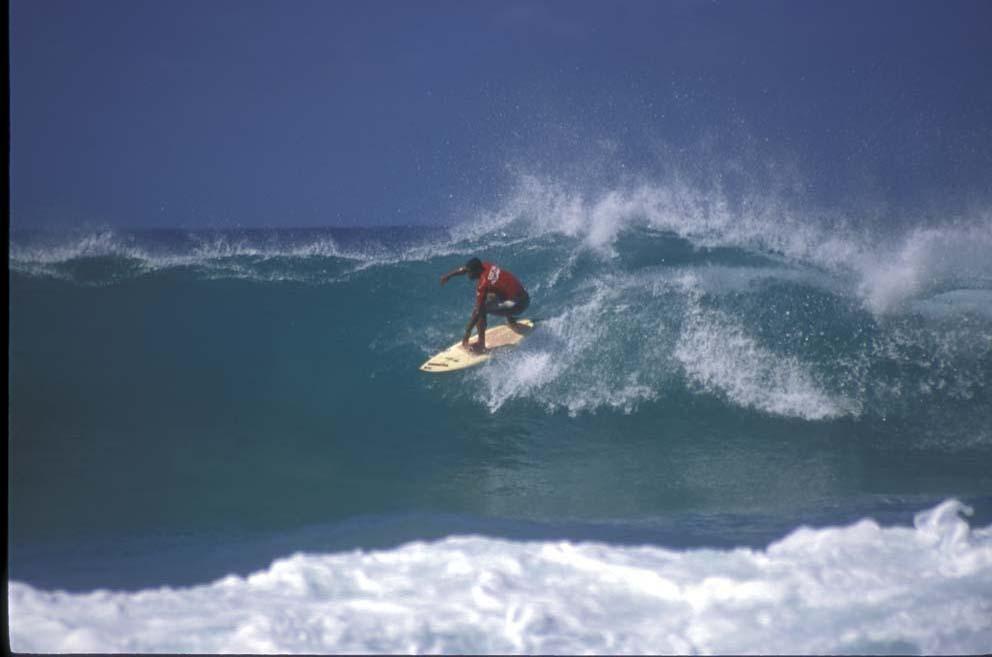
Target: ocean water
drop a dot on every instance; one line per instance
(741, 425)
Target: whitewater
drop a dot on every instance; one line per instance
(859, 589)
(743, 425)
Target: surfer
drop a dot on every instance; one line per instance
(498, 292)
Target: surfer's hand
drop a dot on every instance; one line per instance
(444, 279)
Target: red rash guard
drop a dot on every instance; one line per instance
(493, 279)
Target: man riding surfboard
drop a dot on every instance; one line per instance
(498, 292)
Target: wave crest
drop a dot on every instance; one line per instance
(886, 268)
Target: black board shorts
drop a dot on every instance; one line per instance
(509, 307)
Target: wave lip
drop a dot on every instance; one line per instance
(108, 256)
(855, 589)
(307, 255)
(927, 261)
(885, 267)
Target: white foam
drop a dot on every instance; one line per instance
(254, 256)
(623, 338)
(855, 589)
(925, 260)
(719, 356)
(579, 360)
(94, 244)
(699, 213)
(886, 269)
(215, 254)
(220, 246)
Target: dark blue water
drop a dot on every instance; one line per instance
(184, 405)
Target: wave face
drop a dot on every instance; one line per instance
(859, 589)
(709, 370)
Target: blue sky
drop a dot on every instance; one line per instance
(249, 113)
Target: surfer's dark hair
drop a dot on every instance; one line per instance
(474, 266)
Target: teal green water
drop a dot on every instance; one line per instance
(173, 387)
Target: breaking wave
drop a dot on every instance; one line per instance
(857, 589)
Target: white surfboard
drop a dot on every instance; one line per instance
(456, 357)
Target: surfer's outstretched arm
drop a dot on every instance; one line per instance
(455, 272)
